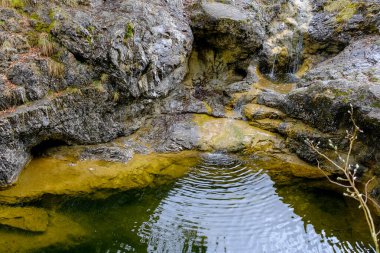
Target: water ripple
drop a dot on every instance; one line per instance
(224, 206)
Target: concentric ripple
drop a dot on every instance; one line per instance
(224, 206)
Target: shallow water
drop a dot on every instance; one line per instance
(221, 205)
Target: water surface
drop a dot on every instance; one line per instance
(221, 205)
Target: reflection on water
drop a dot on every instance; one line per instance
(222, 205)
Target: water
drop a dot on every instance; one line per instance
(298, 54)
(222, 205)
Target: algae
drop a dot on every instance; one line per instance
(95, 179)
(25, 218)
(62, 232)
(345, 9)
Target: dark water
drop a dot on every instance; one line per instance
(222, 205)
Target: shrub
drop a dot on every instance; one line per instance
(349, 180)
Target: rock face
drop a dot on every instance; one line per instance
(143, 46)
(324, 94)
(88, 72)
(95, 70)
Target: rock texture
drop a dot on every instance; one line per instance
(325, 94)
(75, 83)
(88, 72)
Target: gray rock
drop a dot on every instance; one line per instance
(142, 46)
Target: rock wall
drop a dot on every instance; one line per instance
(87, 72)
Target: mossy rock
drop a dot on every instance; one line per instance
(25, 218)
(95, 179)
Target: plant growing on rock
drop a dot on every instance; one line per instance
(349, 180)
(45, 44)
(55, 69)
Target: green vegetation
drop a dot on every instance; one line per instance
(40, 25)
(129, 32)
(376, 104)
(18, 4)
(345, 9)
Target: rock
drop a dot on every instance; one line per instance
(338, 22)
(224, 26)
(78, 116)
(61, 232)
(221, 134)
(282, 164)
(257, 112)
(142, 46)
(25, 218)
(94, 71)
(325, 93)
(90, 80)
(93, 178)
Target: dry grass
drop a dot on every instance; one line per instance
(71, 3)
(6, 45)
(45, 44)
(55, 69)
(5, 3)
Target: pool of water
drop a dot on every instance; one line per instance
(221, 205)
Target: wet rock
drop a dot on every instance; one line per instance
(89, 81)
(324, 95)
(25, 218)
(287, 164)
(67, 176)
(221, 134)
(78, 116)
(224, 26)
(326, 92)
(257, 112)
(61, 232)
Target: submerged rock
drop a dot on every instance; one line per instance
(25, 218)
(61, 232)
(98, 179)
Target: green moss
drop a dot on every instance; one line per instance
(341, 93)
(376, 104)
(345, 9)
(99, 86)
(57, 55)
(116, 96)
(18, 4)
(91, 29)
(40, 25)
(35, 16)
(129, 32)
(32, 37)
